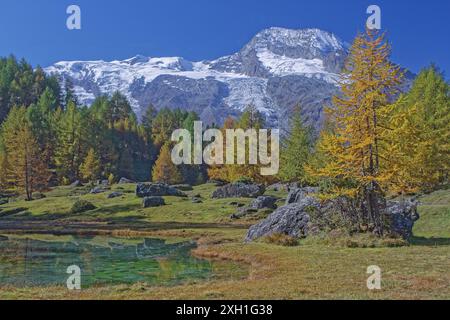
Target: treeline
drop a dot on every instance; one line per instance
(376, 141)
(47, 138)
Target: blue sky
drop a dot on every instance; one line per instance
(208, 29)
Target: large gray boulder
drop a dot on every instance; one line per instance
(263, 202)
(402, 216)
(157, 190)
(151, 202)
(297, 194)
(292, 220)
(283, 186)
(239, 190)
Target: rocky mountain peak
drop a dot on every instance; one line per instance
(282, 40)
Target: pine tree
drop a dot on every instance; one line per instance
(165, 170)
(355, 149)
(90, 168)
(296, 151)
(147, 121)
(69, 94)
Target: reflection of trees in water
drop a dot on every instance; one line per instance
(33, 262)
(157, 248)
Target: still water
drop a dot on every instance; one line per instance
(43, 261)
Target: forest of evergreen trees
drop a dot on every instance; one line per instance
(375, 139)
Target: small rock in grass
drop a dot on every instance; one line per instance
(97, 190)
(196, 200)
(115, 195)
(125, 181)
(151, 202)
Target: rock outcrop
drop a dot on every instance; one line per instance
(297, 194)
(157, 190)
(239, 190)
(263, 202)
(291, 220)
(294, 219)
(402, 215)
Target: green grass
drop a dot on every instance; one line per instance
(308, 271)
(59, 201)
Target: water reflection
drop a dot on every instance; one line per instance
(103, 260)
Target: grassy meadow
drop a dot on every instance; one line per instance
(312, 270)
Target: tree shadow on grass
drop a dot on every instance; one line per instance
(430, 242)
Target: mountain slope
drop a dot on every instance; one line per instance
(276, 70)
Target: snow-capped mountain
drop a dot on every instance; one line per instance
(275, 71)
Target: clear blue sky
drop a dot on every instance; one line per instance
(207, 29)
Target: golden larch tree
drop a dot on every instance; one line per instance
(355, 148)
(165, 170)
(27, 171)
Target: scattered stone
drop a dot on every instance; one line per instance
(113, 195)
(97, 190)
(196, 200)
(157, 190)
(291, 220)
(239, 190)
(264, 202)
(151, 202)
(183, 187)
(104, 183)
(403, 214)
(286, 187)
(296, 195)
(82, 206)
(76, 184)
(125, 181)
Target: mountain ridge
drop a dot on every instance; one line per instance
(277, 69)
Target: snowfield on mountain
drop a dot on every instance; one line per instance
(276, 70)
